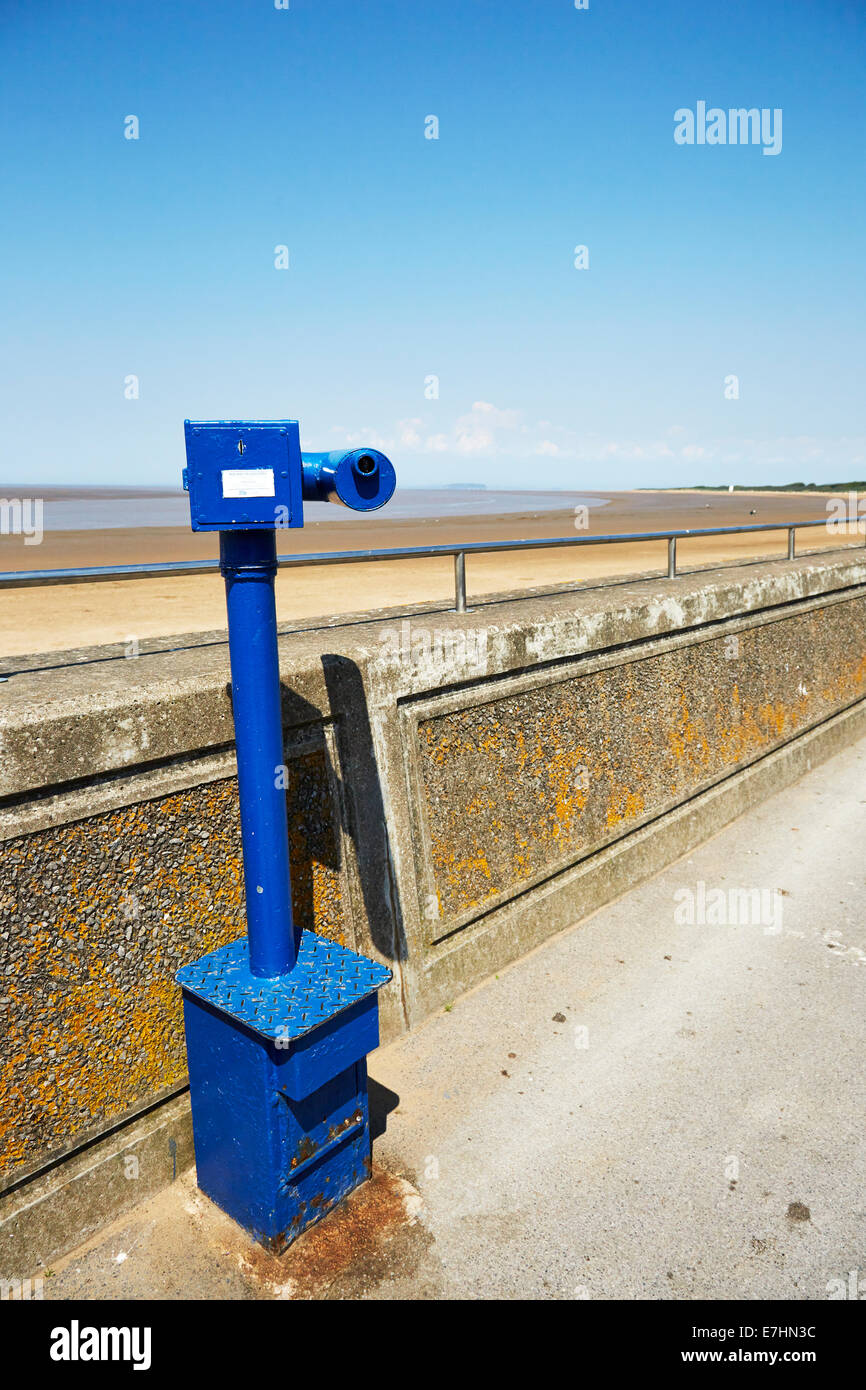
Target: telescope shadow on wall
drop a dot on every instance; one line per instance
(327, 803)
(357, 810)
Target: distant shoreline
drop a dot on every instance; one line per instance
(97, 508)
(766, 489)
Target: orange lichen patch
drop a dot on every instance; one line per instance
(314, 848)
(623, 805)
(472, 866)
(689, 741)
(845, 682)
(567, 785)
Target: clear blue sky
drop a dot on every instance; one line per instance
(411, 257)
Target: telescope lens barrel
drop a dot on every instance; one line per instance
(362, 479)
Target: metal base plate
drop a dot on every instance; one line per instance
(326, 979)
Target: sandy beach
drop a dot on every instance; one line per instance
(60, 617)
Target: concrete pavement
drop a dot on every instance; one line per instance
(664, 1102)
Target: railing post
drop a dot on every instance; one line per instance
(791, 555)
(672, 557)
(460, 582)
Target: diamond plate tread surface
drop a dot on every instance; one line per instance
(326, 979)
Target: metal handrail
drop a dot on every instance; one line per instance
(12, 579)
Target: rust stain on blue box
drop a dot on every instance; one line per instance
(278, 1080)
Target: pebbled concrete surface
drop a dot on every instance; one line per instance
(647, 1107)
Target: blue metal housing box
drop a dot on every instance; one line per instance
(278, 1080)
(243, 474)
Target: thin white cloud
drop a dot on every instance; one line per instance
(489, 432)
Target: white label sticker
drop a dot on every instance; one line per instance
(248, 482)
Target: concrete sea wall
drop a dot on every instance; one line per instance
(459, 788)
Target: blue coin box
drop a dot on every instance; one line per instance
(244, 475)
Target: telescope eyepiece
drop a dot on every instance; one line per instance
(366, 464)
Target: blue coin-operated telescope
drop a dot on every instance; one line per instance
(278, 1023)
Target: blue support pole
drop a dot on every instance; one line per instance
(248, 560)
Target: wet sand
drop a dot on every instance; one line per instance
(58, 617)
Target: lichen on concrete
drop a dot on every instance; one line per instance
(97, 917)
(514, 787)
